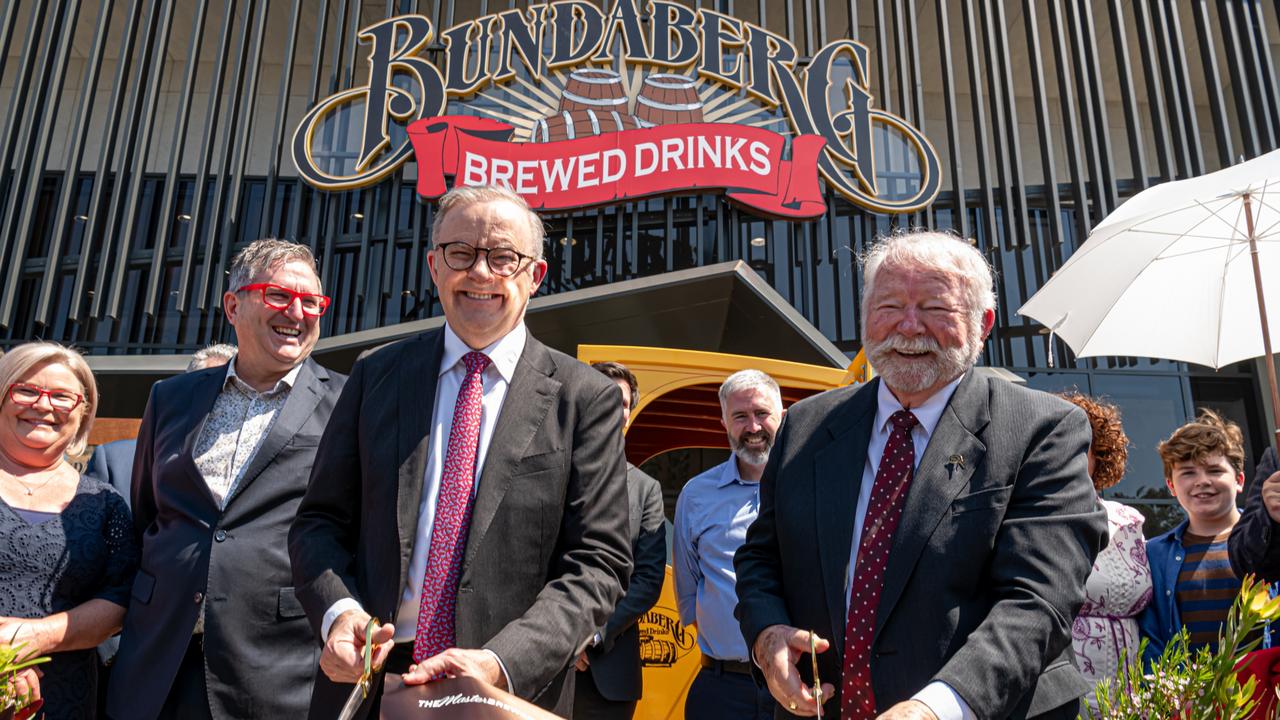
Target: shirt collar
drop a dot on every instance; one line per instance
(729, 473)
(503, 354)
(928, 413)
(283, 383)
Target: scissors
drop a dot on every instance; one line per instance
(361, 691)
(817, 683)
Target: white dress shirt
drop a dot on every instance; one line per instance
(504, 355)
(940, 697)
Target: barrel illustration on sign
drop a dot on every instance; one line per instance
(594, 101)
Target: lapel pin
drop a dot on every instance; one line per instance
(957, 460)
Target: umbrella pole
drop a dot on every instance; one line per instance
(1262, 315)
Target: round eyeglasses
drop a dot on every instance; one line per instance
(278, 297)
(28, 395)
(502, 261)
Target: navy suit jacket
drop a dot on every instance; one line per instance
(112, 463)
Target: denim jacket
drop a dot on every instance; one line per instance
(1160, 621)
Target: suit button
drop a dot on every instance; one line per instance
(199, 598)
(220, 535)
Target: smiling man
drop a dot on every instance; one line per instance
(933, 528)
(712, 515)
(214, 628)
(471, 488)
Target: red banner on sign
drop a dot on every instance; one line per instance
(746, 162)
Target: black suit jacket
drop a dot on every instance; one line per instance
(260, 654)
(987, 568)
(547, 553)
(1254, 546)
(615, 662)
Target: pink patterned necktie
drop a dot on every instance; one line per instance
(435, 632)
(888, 495)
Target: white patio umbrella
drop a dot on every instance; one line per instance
(1186, 270)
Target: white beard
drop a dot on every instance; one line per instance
(749, 456)
(913, 376)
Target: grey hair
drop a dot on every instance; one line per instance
(262, 256)
(210, 355)
(943, 251)
(463, 195)
(21, 360)
(749, 380)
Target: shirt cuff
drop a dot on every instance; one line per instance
(332, 614)
(944, 702)
(507, 676)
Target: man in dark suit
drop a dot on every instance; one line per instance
(214, 628)
(933, 528)
(609, 681)
(1254, 545)
(470, 487)
(112, 463)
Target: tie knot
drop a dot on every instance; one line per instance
(904, 419)
(476, 362)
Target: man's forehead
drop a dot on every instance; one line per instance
(750, 397)
(294, 274)
(899, 274)
(486, 223)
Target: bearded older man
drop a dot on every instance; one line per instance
(712, 515)
(933, 528)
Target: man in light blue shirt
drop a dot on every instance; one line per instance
(712, 516)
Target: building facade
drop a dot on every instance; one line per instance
(146, 140)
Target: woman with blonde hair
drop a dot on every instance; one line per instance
(1105, 633)
(67, 548)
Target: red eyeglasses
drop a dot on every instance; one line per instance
(277, 297)
(28, 395)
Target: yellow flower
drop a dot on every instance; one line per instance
(1263, 605)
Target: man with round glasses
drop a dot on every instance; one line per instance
(471, 488)
(214, 628)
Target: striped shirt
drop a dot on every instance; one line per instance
(1206, 588)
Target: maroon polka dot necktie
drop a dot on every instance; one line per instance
(435, 632)
(888, 495)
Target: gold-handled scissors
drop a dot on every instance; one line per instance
(817, 683)
(361, 691)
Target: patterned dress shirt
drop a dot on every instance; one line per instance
(237, 425)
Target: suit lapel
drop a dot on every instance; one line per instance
(949, 461)
(415, 401)
(837, 481)
(298, 408)
(523, 410)
(203, 396)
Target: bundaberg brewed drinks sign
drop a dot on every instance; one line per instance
(574, 107)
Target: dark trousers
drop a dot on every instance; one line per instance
(189, 697)
(723, 695)
(589, 704)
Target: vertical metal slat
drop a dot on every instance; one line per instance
(210, 130)
(177, 149)
(75, 155)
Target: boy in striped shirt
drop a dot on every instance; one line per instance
(1192, 581)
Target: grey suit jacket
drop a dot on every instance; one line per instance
(260, 655)
(615, 662)
(547, 553)
(987, 567)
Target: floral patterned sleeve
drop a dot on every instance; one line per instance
(122, 550)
